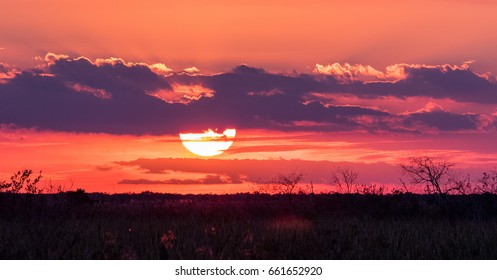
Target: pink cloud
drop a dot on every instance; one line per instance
(431, 107)
(51, 58)
(191, 70)
(97, 92)
(347, 73)
(160, 68)
(7, 72)
(183, 94)
(358, 72)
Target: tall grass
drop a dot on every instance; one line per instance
(153, 226)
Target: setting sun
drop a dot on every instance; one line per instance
(209, 143)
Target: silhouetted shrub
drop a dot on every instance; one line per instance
(78, 197)
(21, 181)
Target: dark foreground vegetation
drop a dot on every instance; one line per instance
(77, 225)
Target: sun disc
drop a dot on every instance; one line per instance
(209, 143)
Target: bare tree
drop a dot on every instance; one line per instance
(262, 187)
(21, 180)
(283, 183)
(287, 183)
(345, 179)
(488, 182)
(461, 184)
(434, 175)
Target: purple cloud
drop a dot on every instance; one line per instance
(253, 171)
(114, 96)
(207, 180)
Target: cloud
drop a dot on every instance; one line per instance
(115, 101)
(256, 171)
(456, 82)
(348, 73)
(191, 70)
(184, 94)
(268, 148)
(52, 58)
(245, 69)
(104, 168)
(207, 180)
(160, 68)
(445, 81)
(431, 107)
(265, 93)
(433, 117)
(109, 74)
(114, 96)
(100, 93)
(441, 121)
(7, 73)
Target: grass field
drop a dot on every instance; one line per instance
(77, 225)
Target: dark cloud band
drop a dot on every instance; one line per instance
(112, 96)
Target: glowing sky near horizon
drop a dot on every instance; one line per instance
(97, 92)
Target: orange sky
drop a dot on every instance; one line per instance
(277, 35)
(107, 163)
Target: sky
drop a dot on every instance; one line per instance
(96, 93)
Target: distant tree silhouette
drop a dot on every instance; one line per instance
(345, 179)
(435, 175)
